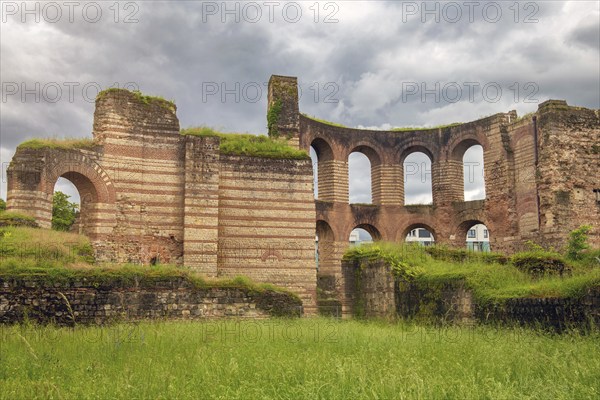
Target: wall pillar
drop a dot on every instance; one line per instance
(201, 204)
(387, 184)
(447, 181)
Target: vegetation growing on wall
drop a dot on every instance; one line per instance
(16, 219)
(540, 263)
(426, 128)
(323, 121)
(578, 242)
(52, 257)
(402, 129)
(490, 281)
(54, 143)
(140, 97)
(273, 118)
(249, 145)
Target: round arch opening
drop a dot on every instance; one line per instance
(72, 198)
(417, 180)
(476, 235)
(420, 234)
(473, 173)
(320, 152)
(363, 234)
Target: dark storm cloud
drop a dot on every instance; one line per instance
(175, 50)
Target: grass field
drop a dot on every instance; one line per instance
(295, 359)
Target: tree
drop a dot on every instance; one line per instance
(64, 212)
(2, 205)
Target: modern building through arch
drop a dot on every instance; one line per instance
(421, 236)
(478, 238)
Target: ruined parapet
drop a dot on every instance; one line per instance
(121, 114)
(283, 115)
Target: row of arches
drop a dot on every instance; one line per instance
(476, 238)
(417, 170)
(329, 249)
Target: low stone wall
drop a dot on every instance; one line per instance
(558, 313)
(444, 302)
(82, 302)
(373, 291)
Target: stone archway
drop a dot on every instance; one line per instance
(34, 173)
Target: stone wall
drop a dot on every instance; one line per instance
(540, 176)
(371, 290)
(568, 170)
(84, 303)
(151, 195)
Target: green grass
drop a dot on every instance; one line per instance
(323, 121)
(140, 97)
(54, 143)
(16, 219)
(426, 128)
(295, 359)
(57, 257)
(489, 280)
(404, 129)
(249, 145)
(22, 245)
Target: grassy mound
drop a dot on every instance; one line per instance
(490, 281)
(53, 257)
(16, 219)
(249, 145)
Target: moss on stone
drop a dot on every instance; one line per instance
(273, 118)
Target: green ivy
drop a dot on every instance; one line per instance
(273, 118)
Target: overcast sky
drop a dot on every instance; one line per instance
(362, 64)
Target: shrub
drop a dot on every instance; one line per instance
(541, 263)
(2, 205)
(578, 242)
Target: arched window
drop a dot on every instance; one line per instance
(417, 179)
(74, 194)
(66, 206)
(315, 165)
(359, 178)
(473, 171)
(323, 169)
(363, 234)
